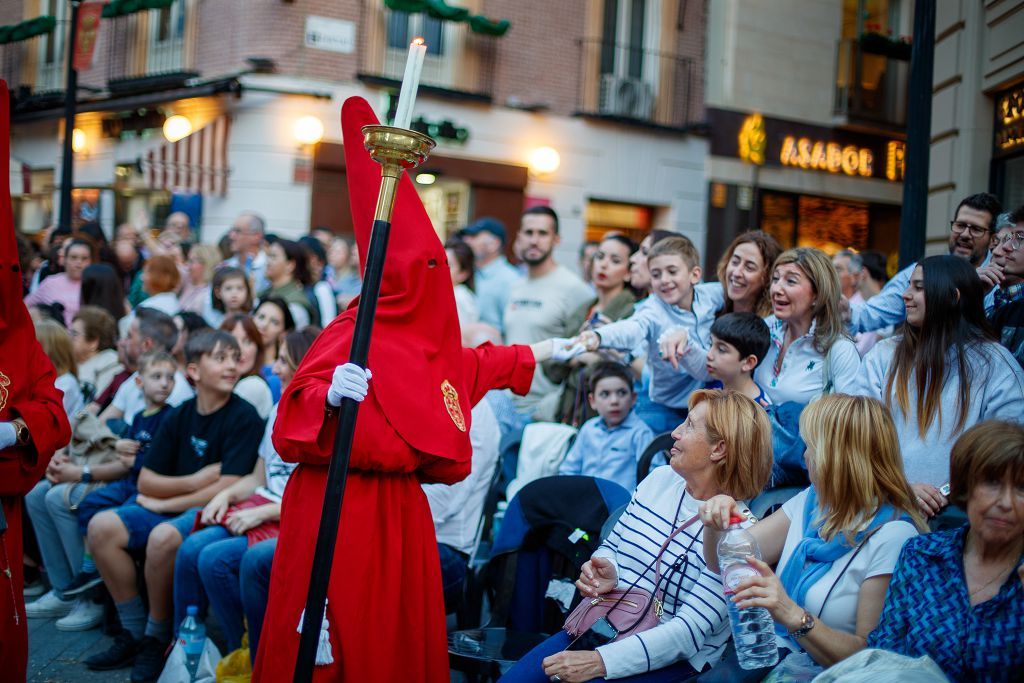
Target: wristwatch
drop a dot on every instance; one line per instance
(86, 474)
(21, 432)
(806, 624)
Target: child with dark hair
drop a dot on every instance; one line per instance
(609, 445)
(230, 294)
(739, 342)
(202, 447)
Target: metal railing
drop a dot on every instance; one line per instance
(33, 66)
(140, 49)
(627, 83)
(870, 87)
(465, 65)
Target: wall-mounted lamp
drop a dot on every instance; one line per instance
(426, 178)
(544, 161)
(79, 141)
(308, 130)
(177, 127)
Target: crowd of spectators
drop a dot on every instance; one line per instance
(903, 396)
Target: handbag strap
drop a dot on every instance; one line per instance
(864, 542)
(664, 546)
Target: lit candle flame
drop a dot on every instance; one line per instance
(418, 41)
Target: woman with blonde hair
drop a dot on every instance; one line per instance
(835, 543)
(200, 265)
(56, 343)
(723, 449)
(810, 354)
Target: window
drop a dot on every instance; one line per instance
(628, 59)
(50, 71)
(166, 39)
(443, 38)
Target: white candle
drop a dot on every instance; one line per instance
(410, 83)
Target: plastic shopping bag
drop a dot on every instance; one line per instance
(175, 670)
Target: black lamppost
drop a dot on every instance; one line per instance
(70, 104)
(914, 217)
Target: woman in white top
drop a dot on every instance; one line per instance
(94, 343)
(208, 562)
(460, 262)
(200, 266)
(723, 448)
(251, 386)
(942, 373)
(56, 343)
(811, 353)
(837, 542)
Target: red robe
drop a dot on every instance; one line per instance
(26, 391)
(385, 604)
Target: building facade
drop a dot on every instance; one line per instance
(591, 109)
(806, 105)
(977, 109)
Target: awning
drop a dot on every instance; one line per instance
(197, 163)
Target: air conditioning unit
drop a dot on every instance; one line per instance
(625, 96)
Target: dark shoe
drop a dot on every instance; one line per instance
(149, 663)
(81, 583)
(119, 655)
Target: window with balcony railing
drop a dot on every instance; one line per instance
(50, 60)
(152, 48)
(458, 60)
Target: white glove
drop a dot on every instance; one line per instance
(8, 435)
(563, 350)
(349, 381)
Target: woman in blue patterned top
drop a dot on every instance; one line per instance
(958, 595)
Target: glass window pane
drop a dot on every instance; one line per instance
(398, 29)
(433, 33)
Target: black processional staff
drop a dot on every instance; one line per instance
(396, 149)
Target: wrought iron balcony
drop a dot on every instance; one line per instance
(624, 83)
(149, 50)
(871, 82)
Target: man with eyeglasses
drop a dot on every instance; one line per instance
(970, 237)
(1007, 312)
(246, 239)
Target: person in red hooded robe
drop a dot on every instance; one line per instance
(385, 609)
(33, 423)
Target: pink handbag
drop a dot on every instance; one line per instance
(635, 609)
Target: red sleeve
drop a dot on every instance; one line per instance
(498, 367)
(42, 409)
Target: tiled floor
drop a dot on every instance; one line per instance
(55, 656)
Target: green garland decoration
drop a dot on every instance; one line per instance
(122, 8)
(30, 28)
(439, 9)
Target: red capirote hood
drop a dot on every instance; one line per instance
(416, 348)
(13, 314)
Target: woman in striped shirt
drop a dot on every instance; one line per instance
(724, 446)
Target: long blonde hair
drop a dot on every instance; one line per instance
(744, 427)
(818, 268)
(56, 343)
(855, 453)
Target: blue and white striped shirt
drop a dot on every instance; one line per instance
(695, 625)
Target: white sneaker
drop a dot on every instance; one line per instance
(85, 615)
(48, 607)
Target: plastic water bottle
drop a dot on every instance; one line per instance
(192, 638)
(752, 629)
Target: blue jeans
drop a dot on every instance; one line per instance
(453, 572)
(219, 565)
(254, 579)
(56, 525)
(188, 588)
(529, 669)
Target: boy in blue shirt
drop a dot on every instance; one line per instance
(609, 445)
(156, 379)
(679, 302)
(739, 342)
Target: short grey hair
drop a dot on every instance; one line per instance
(856, 262)
(256, 222)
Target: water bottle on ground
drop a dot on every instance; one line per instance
(753, 630)
(192, 638)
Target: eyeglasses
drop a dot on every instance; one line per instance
(1014, 238)
(976, 231)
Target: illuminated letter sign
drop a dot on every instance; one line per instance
(1010, 120)
(826, 156)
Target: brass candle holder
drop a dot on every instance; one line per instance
(396, 150)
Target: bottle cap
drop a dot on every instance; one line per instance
(736, 519)
(192, 610)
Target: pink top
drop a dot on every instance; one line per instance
(58, 289)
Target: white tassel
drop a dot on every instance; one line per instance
(323, 648)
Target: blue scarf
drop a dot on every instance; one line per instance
(814, 556)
